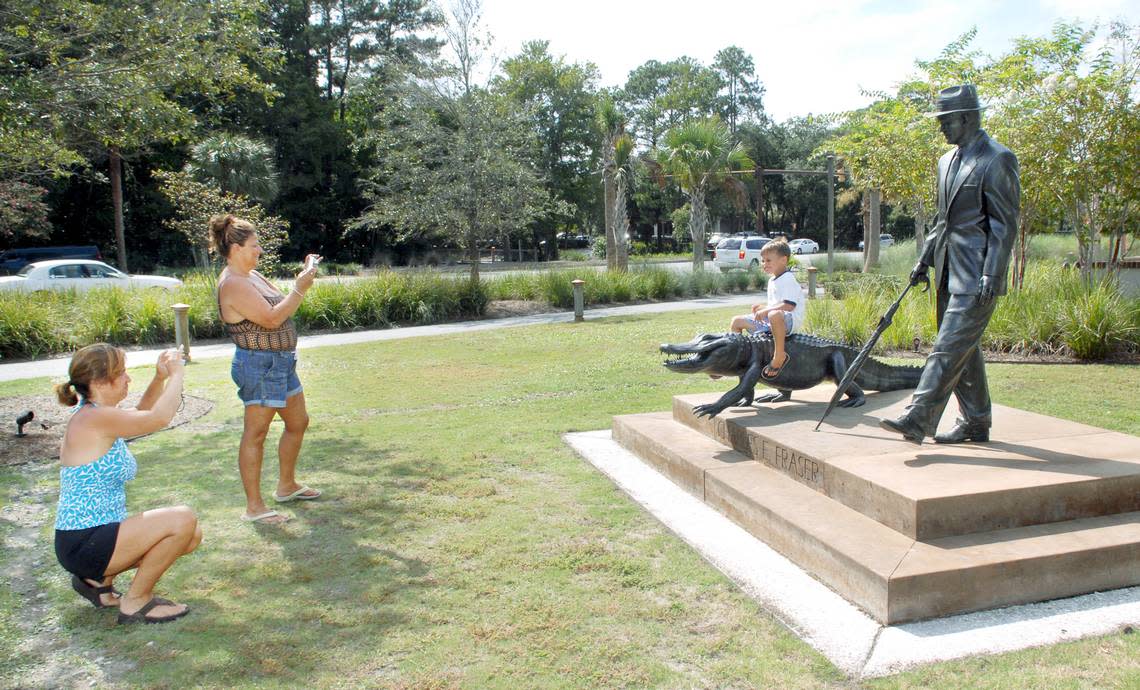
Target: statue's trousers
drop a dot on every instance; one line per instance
(955, 365)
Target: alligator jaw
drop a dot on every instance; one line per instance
(711, 353)
(686, 363)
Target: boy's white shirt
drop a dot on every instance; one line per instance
(785, 288)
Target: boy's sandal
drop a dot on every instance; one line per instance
(93, 593)
(141, 617)
(771, 372)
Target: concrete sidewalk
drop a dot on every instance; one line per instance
(57, 367)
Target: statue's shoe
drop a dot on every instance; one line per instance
(906, 426)
(964, 432)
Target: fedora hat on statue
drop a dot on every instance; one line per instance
(956, 99)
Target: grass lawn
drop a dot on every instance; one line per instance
(460, 543)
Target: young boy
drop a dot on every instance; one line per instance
(785, 310)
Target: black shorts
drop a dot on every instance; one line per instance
(86, 552)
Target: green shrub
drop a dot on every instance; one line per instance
(574, 255)
(40, 324)
(1055, 310)
(524, 286)
(843, 263)
(897, 259)
(1096, 321)
(554, 288)
(1026, 319)
(661, 283)
(31, 326)
(701, 283)
(287, 270)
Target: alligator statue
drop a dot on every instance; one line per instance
(811, 360)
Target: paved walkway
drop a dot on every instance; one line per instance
(57, 368)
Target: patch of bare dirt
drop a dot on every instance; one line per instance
(43, 434)
(503, 308)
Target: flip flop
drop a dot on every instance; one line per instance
(141, 617)
(775, 371)
(264, 516)
(298, 495)
(92, 593)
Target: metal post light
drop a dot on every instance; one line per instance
(182, 329)
(579, 299)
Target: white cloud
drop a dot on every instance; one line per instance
(812, 56)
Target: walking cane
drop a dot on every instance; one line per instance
(857, 363)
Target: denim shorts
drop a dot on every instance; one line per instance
(765, 327)
(265, 377)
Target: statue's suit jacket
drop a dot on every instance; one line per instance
(977, 217)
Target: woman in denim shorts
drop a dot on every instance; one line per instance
(258, 318)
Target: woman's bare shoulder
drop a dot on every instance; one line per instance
(86, 439)
(263, 280)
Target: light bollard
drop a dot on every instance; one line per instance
(811, 271)
(579, 299)
(182, 329)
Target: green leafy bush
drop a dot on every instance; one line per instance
(46, 323)
(1055, 311)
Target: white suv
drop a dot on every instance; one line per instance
(739, 252)
(885, 241)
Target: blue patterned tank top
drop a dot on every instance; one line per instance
(95, 494)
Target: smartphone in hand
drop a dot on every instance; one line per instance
(311, 261)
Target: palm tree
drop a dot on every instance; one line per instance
(235, 164)
(617, 152)
(699, 156)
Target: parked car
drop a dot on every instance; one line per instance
(12, 260)
(714, 240)
(804, 246)
(739, 252)
(884, 241)
(567, 241)
(77, 274)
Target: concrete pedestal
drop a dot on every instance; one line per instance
(1047, 509)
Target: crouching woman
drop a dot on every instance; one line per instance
(95, 540)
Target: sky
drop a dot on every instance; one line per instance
(811, 56)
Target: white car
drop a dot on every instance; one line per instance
(79, 274)
(804, 246)
(739, 252)
(884, 241)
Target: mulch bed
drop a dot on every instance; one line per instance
(45, 432)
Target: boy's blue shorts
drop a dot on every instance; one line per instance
(265, 377)
(756, 326)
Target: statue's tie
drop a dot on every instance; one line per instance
(955, 163)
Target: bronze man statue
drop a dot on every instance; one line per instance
(969, 248)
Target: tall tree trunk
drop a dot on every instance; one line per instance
(347, 60)
(473, 244)
(759, 172)
(621, 226)
(698, 219)
(871, 199)
(117, 203)
(610, 192)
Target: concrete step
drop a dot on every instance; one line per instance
(895, 578)
(1036, 469)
